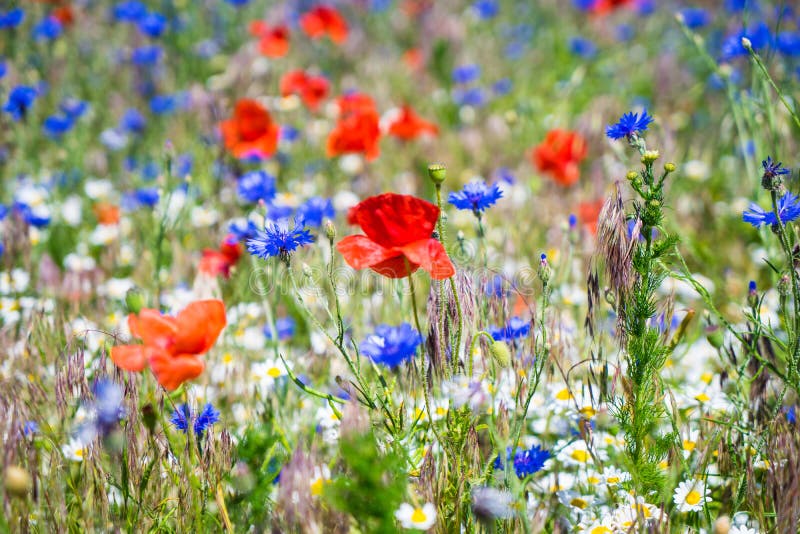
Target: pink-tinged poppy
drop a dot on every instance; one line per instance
(172, 346)
(324, 20)
(251, 131)
(408, 125)
(398, 238)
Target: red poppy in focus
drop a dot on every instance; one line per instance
(408, 125)
(358, 128)
(251, 131)
(398, 238)
(601, 7)
(589, 214)
(220, 262)
(106, 213)
(324, 20)
(172, 346)
(273, 40)
(311, 89)
(559, 156)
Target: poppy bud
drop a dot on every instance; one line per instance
(437, 173)
(501, 353)
(18, 481)
(134, 301)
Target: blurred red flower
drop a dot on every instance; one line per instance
(219, 262)
(324, 20)
(559, 156)
(589, 213)
(311, 89)
(172, 345)
(251, 131)
(408, 125)
(106, 213)
(358, 128)
(398, 238)
(273, 40)
(601, 7)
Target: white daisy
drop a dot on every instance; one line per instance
(74, 450)
(415, 517)
(691, 496)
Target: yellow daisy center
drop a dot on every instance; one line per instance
(418, 516)
(613, 480)
(564, 395)
(274, 372)
(600, 530)
(689, 445)
(316, 486)
(580, 455)
(702, 397)
(578, 502)
(693, 497)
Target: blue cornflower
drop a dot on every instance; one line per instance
(466, 73)
(30, 428)
(147, 196)
(486, 9)
(473, 96)
(242, 229)
(791, 414)
(129, 11)
(284, 327)
(163, 104)
(108, 403)
(495, 287)
(278, 240)
(573, 221)
(629, 124)
(526, 462)
(48, 29)
(3, 67)
(153, 24)
(391, 345)
(694, 17)
(515, 329)
(19, 101)
(133, 121)
(788, 43)
(238, 3)
(582, 47)
(256, 186)
(315, 210)
(146, 56)
(73, 108)
(11, 18)
(56, 125)
(788, 208)
(182, 417)
(502, 86)
(772, 169)
(475, 196)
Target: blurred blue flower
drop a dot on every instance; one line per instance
(695, 17)
(73, 108)
(502, 86)
(164, 104)
(475, 196)
(242, 229)
(515, 329)
(284, 326)
(526, 462)
(129, 11)
(486, 9)
(582, 47)
(30, 428)
(19, 101)
(278, 240)
(315, 210)
(3, 68)
(56, 126)
(147, 196)
(473, 96)
(788, 208)
(133, 121)
(49, 28)
(153, 24)
(788, 43)
(628, 125)
(256, 186)
(146, 56)
(466, 73)
(625, 32)
(391, 345)
(11, 18)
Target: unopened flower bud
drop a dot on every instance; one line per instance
(747, 44)
(18, 481)
(134, 300)
(544, 269)
(330, 230)
(501, 353)
(784, 285)
(650, 156)
(752, 294)
(437, 173)
(714, 336)
(669, 167)
(632, 175)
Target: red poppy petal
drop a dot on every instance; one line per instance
(361, 252)
(393, 220)
(431, 256)
(153, 328)
(199, 325)
(397, 267)
(172, 371)
(129, 357)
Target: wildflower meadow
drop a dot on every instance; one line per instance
(375, 266)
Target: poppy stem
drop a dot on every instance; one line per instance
(413, 297)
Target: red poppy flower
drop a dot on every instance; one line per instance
(220, 262)
(398, 238)
(311, 89)
(559, 156)
(413, 58)
(273, 40)
(324, 20)
(358, 128)
(106, 213)
(64, 15)
(408, 125)
(251, 131)
(172, 345)
(589, 214)
(601, 7)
